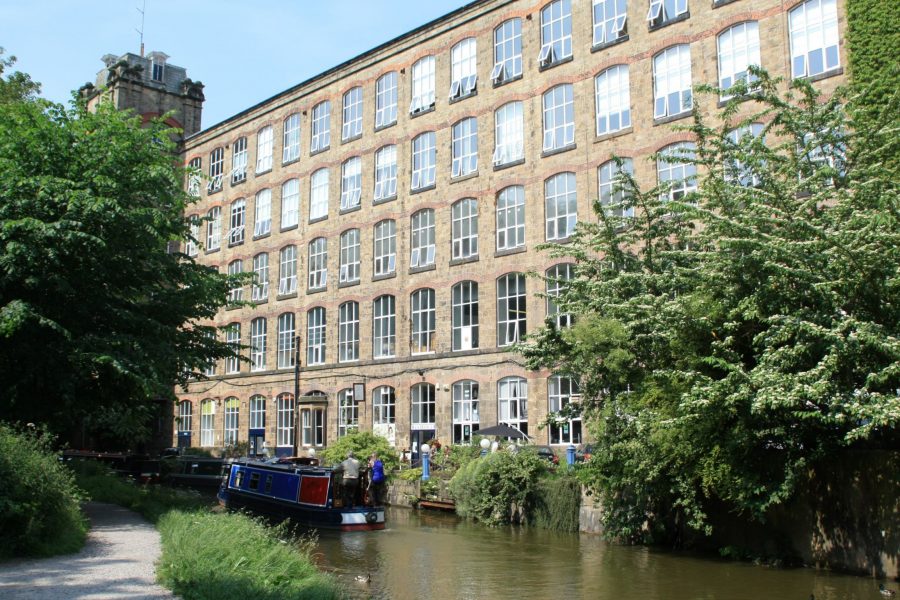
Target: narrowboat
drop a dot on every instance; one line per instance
(198, 472)
(300, 490)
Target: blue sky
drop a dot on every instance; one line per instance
(244, 51)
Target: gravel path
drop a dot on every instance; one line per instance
(118, 561)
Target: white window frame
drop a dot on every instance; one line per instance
(559, 117)
(233, 339)
(423, 407)
(738, 50)
(465, 411)
(318, 264)
(316, 325)
(320, 127)
(424, 157)
(262, 221)
(672, 93)
(239, 161)
(814, 32)
(385, 173)
(464, 229)
(238, 219)
(207, 423)
(384, 327)
(509, 134)
(348, 332)
(610, 21)
(287, 270)
(464, 322)
(291, 145)
(191, 244)
(264, 143)
(609, 186)
(232, 414)
(260, 289)
(351, 182)
(350, 256)
(351, 126)
(216, 170)
(422, 321)
(464, 148)
(385, 247)
(348, 412)
(560, 206)
(285, 341)
(512, 403)
(662, 12)
(511, 218)
(422, 239)
(194, 176)
(556, 33)
(318, 194)
(257, 412)
(214, 229)
(737, 172)
(684, 174)
(185, 416)
(386, 100)
(384, 405)
(512, 316)
(507, 51)
(285, 408)
(560, 391)
(312, 423)
(463, 69)
(556, 277)
(236, 294)
(290, 203)
(612, 98)
(258, 344)
(422, 85)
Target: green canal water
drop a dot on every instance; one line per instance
(436, 556)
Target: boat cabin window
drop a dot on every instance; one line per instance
(268, 489)
(254, 481)
(238, 479)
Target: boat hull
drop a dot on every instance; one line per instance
(304, 495)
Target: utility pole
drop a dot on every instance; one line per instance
(296, 393)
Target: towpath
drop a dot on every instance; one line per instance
(118, 561)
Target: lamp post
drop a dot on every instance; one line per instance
(296, 393)
(426, 458)
(485, 445)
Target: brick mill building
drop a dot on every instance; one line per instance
(391, 207)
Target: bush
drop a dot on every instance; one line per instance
(489, 489)
(231, 556)
(557, 503)
(363, 444)
(39, 502)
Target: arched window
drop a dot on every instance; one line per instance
(422, 315)
(207, 423)
(512, 402)
(384, 405)
(348, 418)
(284, 423)
(464, 315)
(560, 206)
(511, 313)
(232, 418)
(561, 389)
(465, 411)
(423, 407)
(557, 278)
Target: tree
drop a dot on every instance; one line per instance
(729, 341)
(17, 85)
(97, 319)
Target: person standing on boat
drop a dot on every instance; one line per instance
(351, 479)
(376, 483)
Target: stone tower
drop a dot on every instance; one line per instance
(150, 86)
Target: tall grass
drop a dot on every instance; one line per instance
(39, 502)
(231, 556)
(151, 501)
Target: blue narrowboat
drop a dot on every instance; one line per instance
(306, 493)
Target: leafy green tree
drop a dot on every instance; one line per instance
(98, 318)
(731, 340)
(16, 86)
(363, 444)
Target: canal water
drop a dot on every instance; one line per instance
(437, 556)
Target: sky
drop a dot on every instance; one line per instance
(244, 51)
